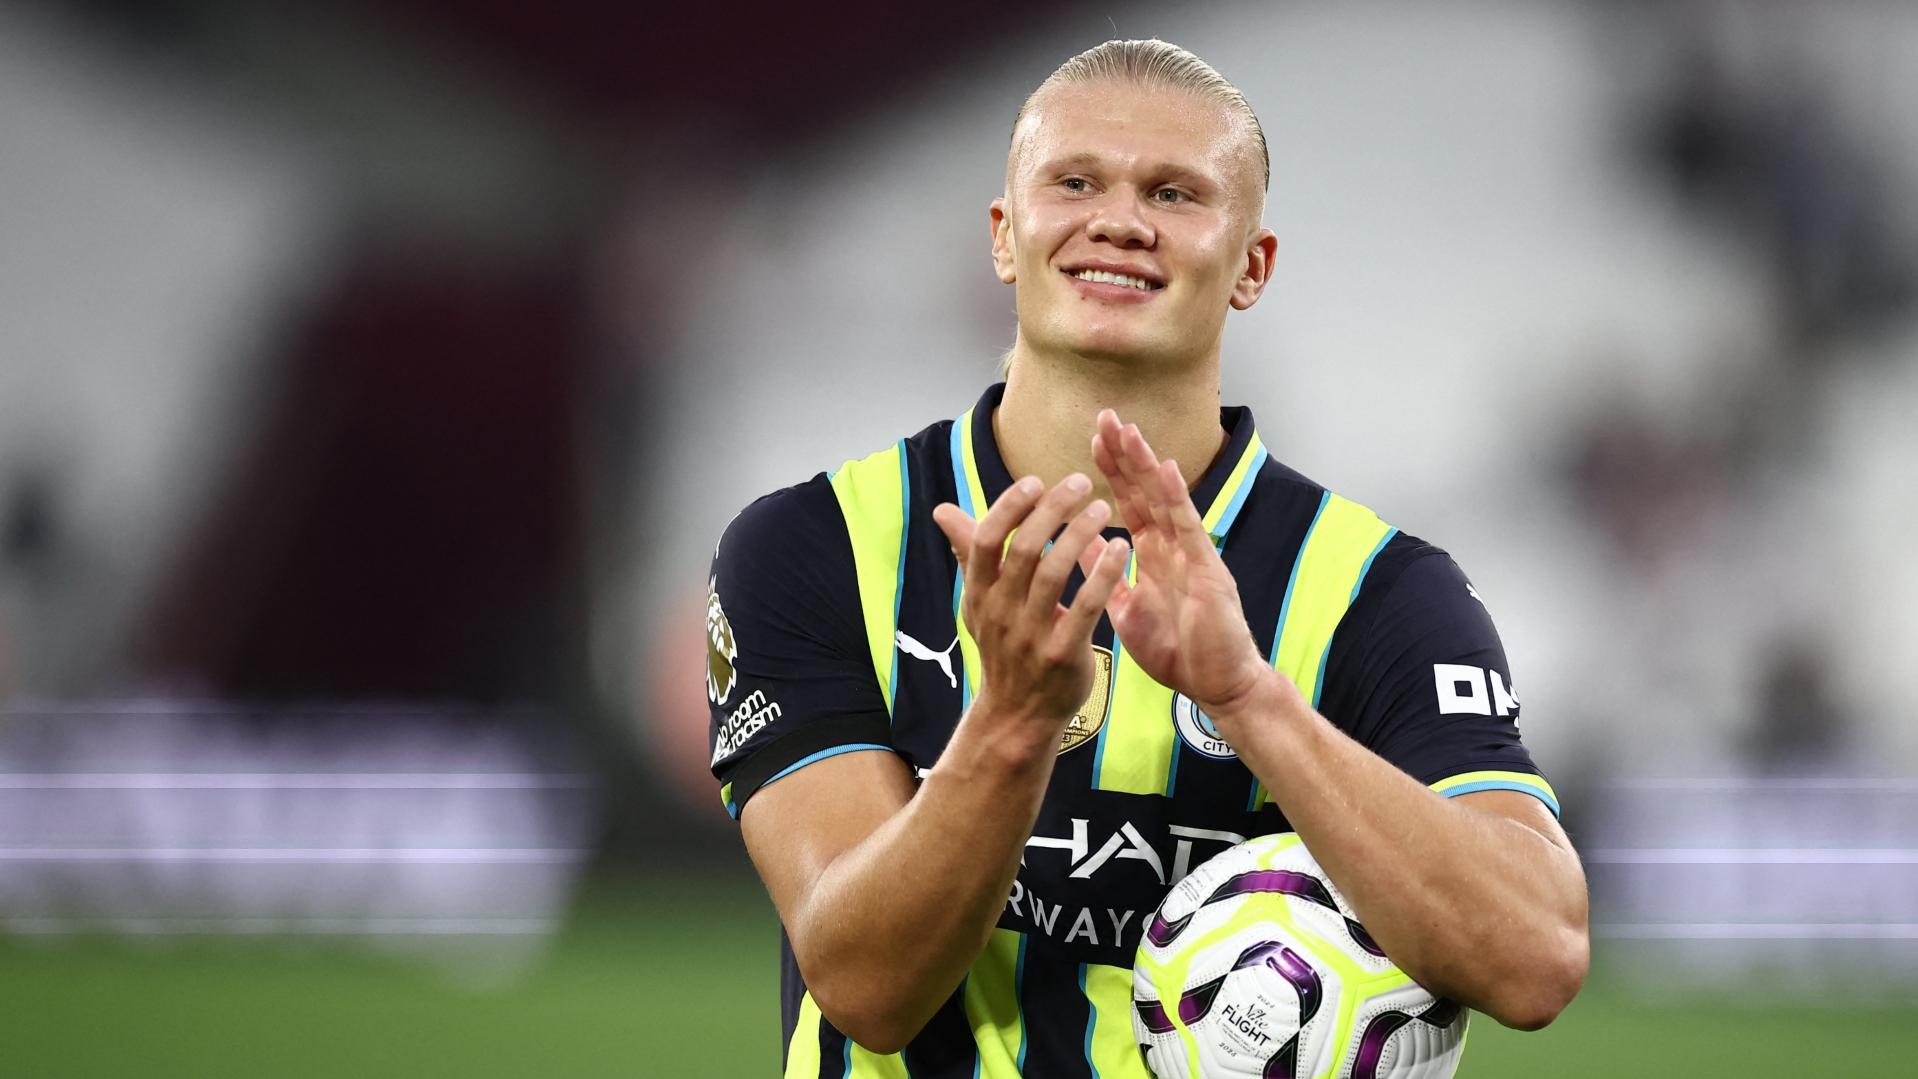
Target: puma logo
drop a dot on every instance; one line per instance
(919, 651)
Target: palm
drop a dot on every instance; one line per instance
(1181, 619)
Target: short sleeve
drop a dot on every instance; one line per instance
(1419, 676)
(789, 677)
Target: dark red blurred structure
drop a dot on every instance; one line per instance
(777, 71)
(407, 522)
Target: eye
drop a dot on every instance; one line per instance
(1075, 184)
(1169, 195)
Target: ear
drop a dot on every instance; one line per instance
(1004, 248)
(1258, 269)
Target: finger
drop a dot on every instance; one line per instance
(1111, 436)
(1029, 543)
(1152, 495)
(1088, 557)
(1135, 454)
(1128, 448)
(1105, 444)
(989, 538)
(1049, 580)
(1141, 465)
(1128, 471)
(958, 527)
(1102, 452)
(1188, 528)
(1089, 564)
(1104, 581)
(1137, 514)
(1125, 493)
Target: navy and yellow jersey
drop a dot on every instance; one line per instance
(834, 626)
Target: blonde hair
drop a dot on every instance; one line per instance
(1160, 64)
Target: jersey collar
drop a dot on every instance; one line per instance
(980, 475)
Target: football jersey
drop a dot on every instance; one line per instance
(834, 627)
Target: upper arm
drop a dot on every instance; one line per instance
(789, 678)
(800, 826)
(1419, 676)
(801, 739)
(1523, 810)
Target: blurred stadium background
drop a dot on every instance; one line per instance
(375, 379)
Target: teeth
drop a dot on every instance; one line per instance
(1106, 278)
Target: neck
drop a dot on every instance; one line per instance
(1045, 423)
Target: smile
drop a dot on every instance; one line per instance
(1105, 277)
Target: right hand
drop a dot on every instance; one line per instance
(1036, 653)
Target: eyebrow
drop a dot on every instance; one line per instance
(1165, 168)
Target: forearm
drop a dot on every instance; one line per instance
(892, 923)
(895, 922)
(1473, 905)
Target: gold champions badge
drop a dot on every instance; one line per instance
(1092, 714)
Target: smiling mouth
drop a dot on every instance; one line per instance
(1106, 277)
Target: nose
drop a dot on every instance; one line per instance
(1118, 220)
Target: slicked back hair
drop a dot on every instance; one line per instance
(1159, 64)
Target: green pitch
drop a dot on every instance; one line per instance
(682, 983)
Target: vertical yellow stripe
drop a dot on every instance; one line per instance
(992, 1006)
(802, 1053)
(1337, 552)
(1111, 1049)
(1135, 754)
(1136, 748)
(872, 499)
(1233, 482)
(968, 654)
(974, 492)
(1341, 542)
(969, 463)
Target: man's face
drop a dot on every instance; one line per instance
(1156, 185)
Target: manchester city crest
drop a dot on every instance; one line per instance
(1196, 729)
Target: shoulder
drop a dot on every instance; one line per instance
(795, 542)
(1278, 473)
(1406, 569)
(1281, 483)
(784, 554)
(810, 511)
(1416, 608)
(1413, 575)
(805, 513)
(809, 518)
(1408, 591)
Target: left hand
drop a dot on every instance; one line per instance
(1181, 620)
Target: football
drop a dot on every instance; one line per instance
(1255, 967)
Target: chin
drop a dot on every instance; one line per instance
(1119, 346)
(1092, 337)
(1117, 360)
(1121, 343)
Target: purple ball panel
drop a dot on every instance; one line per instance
(1153, 1017)
(1372, 1044)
